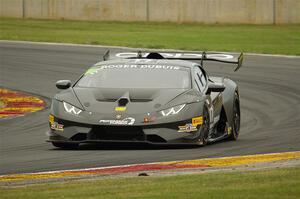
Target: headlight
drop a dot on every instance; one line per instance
(172, 111)
(71, 109)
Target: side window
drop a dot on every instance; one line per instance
(200, 79)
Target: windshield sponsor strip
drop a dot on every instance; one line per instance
(95, 70)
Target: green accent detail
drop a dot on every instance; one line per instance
(91, 71)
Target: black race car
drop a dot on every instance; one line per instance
(157, 98)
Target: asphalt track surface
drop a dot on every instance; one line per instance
(270, 108)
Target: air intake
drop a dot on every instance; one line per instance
(123, 101)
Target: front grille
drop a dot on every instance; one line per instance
(155, 139)
(123, 133)
(79, 137)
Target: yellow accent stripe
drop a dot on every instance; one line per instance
(22, 109)
(51, 119)
(120, 108)
(23, 99)
(1, 104)
(7, 115)
(239, 160)
(41, 176)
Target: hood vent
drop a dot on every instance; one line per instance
(141, 100)
(131, 100)
(106, 100)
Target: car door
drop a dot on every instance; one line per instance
(214, 101)
(201, 86)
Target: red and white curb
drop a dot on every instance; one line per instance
(159, 166)
(15, 103)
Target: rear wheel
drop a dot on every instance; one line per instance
(64, 145)
(236, 118)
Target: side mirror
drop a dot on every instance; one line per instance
(63, 84)
(215, 88)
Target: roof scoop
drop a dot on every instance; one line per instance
(123, 101)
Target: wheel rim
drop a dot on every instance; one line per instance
(236, 119)
(205, 125)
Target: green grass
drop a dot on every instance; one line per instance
(280, 39)
(273, 183)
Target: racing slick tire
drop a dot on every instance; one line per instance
(64, 145)
(205, 126)
(236, 118)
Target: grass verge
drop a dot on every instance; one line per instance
(272, 183)
(280, 39)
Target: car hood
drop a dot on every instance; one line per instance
(105, 100)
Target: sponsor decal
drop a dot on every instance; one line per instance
(96, 69)
(197, 121)
(120, 108)
(177, 55)
(125, 121)
(54, 125)
(57, 127)
(140, 66)
(187, 128)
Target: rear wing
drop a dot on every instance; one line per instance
(218, 57)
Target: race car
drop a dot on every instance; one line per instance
(147, 97)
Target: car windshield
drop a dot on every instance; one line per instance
(136, 76)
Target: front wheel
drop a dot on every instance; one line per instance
(64, 145)
(205, 126)
(236, 118)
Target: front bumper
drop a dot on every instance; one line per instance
(72, 132)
